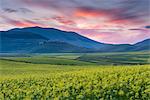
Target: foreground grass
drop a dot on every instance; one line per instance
(19, 80)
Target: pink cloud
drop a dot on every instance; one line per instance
(63, 20)
(21, 23)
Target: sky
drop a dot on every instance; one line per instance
(107, 21)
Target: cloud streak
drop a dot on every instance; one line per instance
(22, 23)
(22, 10)
(9, 10)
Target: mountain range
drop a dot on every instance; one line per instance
(50, 40)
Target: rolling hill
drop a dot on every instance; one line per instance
(143, 45)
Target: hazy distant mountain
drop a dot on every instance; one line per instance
(47, 40)
(140, 46)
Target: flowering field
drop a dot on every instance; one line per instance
(19, 81)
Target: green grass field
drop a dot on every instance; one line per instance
(97, 76)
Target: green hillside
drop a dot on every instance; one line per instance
(124, 58)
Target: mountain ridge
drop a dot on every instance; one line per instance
(43, 40)
(55, 35)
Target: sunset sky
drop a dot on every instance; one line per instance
(108, 21)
